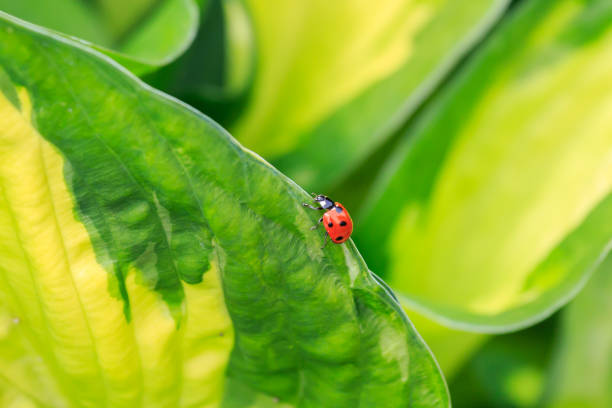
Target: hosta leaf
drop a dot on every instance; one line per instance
(581, 375)
(498, 206)
(145, 256)
(334, 79)
(216, 72)
(140, 34)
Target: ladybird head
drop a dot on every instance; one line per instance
(324, 201)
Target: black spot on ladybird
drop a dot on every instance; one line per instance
(342, 223)
(338, 209)
(338, 238)
(330, 224)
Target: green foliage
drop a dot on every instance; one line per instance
(500, 191)
(508, 370)
(215, 74)
(347, 75)
(148, 259)
(169, 199)
(141, 34)
(581, 374)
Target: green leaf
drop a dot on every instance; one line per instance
(335, 79)
(451, 347)
(215, 74)
(508, 370)
(581, 375)
(497, 207)
(140, 34)
(145, 256)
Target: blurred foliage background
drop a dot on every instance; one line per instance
(471, 141)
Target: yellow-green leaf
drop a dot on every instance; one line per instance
(334, 79)
(497, 207)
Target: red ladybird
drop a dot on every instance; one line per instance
(336, 220)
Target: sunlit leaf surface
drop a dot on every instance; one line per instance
(335, 79)
(497, 208)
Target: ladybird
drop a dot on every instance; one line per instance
(336, 220)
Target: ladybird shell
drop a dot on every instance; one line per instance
(338, 223)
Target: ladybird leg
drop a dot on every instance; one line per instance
(310, 206)
(318, 223)
(326, 239)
